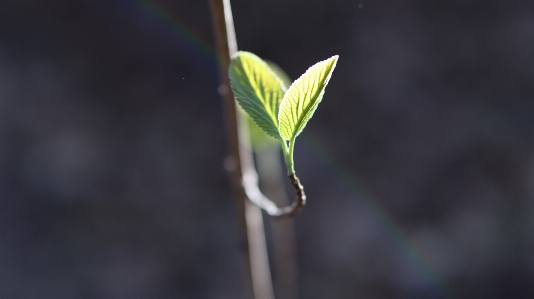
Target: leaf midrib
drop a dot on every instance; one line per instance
(308, 108)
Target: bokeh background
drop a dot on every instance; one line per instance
(418, 164)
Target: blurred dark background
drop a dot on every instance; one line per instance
(418, 164)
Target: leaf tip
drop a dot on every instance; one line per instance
(333, 60)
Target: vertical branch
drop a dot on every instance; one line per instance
(283, 228)
(240, 159)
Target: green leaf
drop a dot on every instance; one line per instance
(258, 90)
(258, 138)
(302, 97)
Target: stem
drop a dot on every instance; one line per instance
(284, 244)
(240, 161)
(301, 196)
(290, 164)
(299, 189)
(288, 154)
(250, 185)
(285, 151)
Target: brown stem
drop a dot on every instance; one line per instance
(250, 185)
(240, 160)
(284, 245)
(301, 196)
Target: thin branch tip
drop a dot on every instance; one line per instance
(300, 202)
(254, 194)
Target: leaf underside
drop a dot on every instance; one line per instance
(258, 90)
(258, 138)
(302, 97)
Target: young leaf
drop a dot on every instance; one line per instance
(302, 98)
(258, 138)
(258, 90)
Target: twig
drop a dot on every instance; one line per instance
(240, 160)
(285, 268)
(250, 184)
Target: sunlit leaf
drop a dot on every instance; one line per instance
(258, 90)
(302, 97)
(258, 138)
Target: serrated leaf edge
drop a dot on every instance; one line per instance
(251, 107)
(324, 83)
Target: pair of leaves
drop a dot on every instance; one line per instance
(280, 112)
